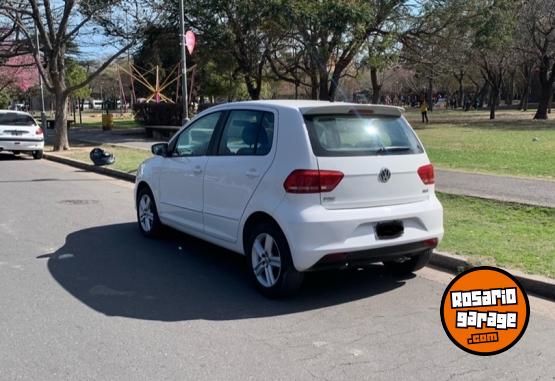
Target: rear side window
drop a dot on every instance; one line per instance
(14, 119)
(247, 132)
(357, 135)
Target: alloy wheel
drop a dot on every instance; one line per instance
(266, 260)
(146, 217)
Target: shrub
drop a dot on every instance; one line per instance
(158, 114)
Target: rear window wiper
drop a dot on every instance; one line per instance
(383, 150)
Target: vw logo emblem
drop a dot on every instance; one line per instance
(384, 175)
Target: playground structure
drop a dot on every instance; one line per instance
(160, 85)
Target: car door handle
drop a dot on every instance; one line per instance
(252, 173)
(197, 170)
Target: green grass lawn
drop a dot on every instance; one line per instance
(514, 144)
(93, 119)
(118, 123)
(127, 159)
(505, 234)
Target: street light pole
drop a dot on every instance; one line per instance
(184, 95)
(42, 113)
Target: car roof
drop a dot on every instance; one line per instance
(311, 107)
(15, 112)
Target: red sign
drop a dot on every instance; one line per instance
(190, 41)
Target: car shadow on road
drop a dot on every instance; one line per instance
(114, 270)
(8, 156)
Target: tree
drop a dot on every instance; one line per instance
(4, 99)
(539, 22)
(494, 27)
(59, 27)
(326, 38)
(382, 54)
(244, 30)
(76, 74)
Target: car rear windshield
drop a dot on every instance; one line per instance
(14, 119)
(357, 135)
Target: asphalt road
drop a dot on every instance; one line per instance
(84, 296)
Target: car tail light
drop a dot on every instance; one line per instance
(432, 242)
(39, 131)
(426, 173)
(312, 181)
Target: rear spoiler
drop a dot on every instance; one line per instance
(352, 108)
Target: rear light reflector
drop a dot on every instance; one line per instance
(432, 242)
(427, 175)
(312, 181)
(39, 131)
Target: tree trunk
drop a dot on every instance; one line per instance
(429, 94)
(461, 93)
(543, 104)
(323, 92)
(60, 122)
(81, 101)
(526, 94)
(376, 86)
(509, 90)
(546, 90)
(254, 92)
(493, 98)
(334, 85)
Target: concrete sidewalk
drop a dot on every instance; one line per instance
(496, 187)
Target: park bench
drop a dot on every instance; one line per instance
(161, 132)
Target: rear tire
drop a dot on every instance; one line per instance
(410, 265)
(147, 214)
(37, 154)
(269, 261)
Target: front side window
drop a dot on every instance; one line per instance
(356, 135)
(194, 141)
(247, 132)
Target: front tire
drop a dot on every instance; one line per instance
(410, 265)
(270, 263)
(147, 214)
(38, 155)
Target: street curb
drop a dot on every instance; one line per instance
(533, 284)
(92, 168)
(454, 264)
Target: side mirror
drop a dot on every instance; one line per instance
(160, 149)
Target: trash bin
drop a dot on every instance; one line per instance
(107, 121)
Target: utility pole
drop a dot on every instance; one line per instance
(42, 113)
(184, 95)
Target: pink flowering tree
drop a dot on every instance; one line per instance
(19, 73)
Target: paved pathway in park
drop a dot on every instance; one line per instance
(504, 188)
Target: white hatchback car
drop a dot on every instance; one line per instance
(296, 186)
(19, 132)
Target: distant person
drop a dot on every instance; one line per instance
(424, 111)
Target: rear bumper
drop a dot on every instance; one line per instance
(315, 232)
(380, 254)
(10, 144)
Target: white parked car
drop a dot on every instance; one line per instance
(296, 186)
(19, 132)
